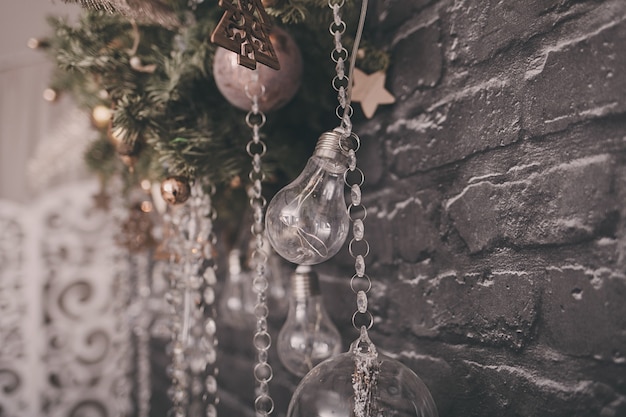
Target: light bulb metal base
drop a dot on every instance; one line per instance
(304, 283)
(329, 146)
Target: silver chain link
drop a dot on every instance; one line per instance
(256, 148)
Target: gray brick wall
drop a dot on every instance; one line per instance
(496, 190)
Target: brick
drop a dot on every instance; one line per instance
(469, 121)
(512, 390)
(413, 232)
(583, 312)
(379, 226)
(417, 61)
(568, 203)
(483, 28)
(585, 78)
(403, 230)
(496, 309)
(392, 13)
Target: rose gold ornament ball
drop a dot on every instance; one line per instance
(280, 86)
(175, 190)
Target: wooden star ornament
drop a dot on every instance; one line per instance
(369, 90)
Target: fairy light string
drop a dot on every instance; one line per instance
(256, 149)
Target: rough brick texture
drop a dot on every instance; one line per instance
(496, 195)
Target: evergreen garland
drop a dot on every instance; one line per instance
(175, 114)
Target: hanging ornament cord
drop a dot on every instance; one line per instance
(366, 371)
(256, 148)
(192, 295)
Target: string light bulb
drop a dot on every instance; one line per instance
(237, 302)
(307, 221)
(308, 336)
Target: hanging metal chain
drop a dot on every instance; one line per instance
(256, 148)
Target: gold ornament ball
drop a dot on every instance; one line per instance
(101, 116)
(175, 190)
(280, 86)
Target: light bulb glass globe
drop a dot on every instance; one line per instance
(329, 390)
(307, 221)
(308, 336)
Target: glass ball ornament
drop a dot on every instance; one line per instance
(175, 190)
(279, 86)
(361, 383)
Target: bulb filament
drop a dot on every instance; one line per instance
(290, 217)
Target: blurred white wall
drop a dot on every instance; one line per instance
(25, 118)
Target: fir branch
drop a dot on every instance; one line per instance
(176, 111)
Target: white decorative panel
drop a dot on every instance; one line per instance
(66, 344)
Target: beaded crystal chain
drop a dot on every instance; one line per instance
(366, 372)
(354, 177)
(191, 295)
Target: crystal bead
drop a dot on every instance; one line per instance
(209, 276)
(177, 348)
(361, 301)
(351, 159)
(210, 326)
(355, 195)
(358, 229)
(196, 387)
(256, 162)
(209, 295)
(178, 395)
(194, 282)
(211, 356)
(196, 360)
(211, 384)
(359, 265)
(211, 411)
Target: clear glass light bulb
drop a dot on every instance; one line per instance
(237, 300)
(361, 383)
(307, 221)
(308, 336)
